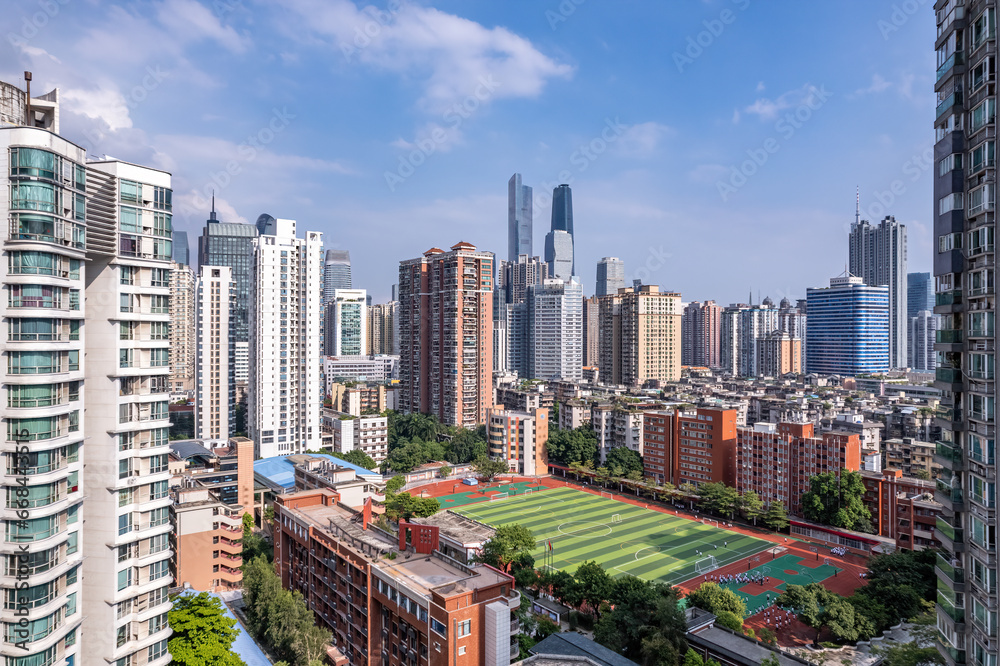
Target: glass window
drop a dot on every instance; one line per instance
(32, 162)
(131, 191)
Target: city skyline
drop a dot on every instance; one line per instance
(548, 66)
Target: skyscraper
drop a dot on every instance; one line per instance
(562, 220)
(919, 293)
(701, 331)
(514, 279)
(964, 214)
(285, 394)
(610, 276)
(127, 528)
(920, 341)
(381, 328)
(878, 257)
(559, 254)
(640, 336)
(591, 332)
(446, 334)
(519, 219)
(555, 330)
(182, 252)
(231, 244)
(336, 272)
(847, 332)
(215, 397)
(183, 340)
(742, 327)
(348, 314)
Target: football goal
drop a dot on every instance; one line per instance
(527, 491)
(706, 564)
(499, 496)
(604, 493)
(616, 517)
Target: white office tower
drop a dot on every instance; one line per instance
(349, 314)
(878, 256)
(610, 276)
(285, 393)
(559, 254)
(215, 398)
(183, 337)
(42, 195)
(920, 341)
(126, 569)
(555, 330)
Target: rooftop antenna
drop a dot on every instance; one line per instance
(27, 100)
(212, 217)
(857, 207)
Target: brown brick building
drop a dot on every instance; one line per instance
(697, 446)
(387, 602)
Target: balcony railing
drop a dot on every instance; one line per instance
(948, 336)
(948, 297)
(949, 375)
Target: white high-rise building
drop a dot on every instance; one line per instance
(559, 253)
(126, 568)
(878, 256)
(349, 315)
(555, 330)
(43, 198)
(920, 341)
(182, 328)
(610, 276)
(285, 394)
(215, 397)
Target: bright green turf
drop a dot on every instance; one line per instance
(648, 544)
(474, 496)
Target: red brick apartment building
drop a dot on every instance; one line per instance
(386, 602)
(697, 446)
(776, 460)
(903, 508)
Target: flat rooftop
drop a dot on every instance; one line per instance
(457, 527)
(339, 521)
(424, 573)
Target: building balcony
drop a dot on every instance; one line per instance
(953, 576)
(947, 375)
(957, 58)
(948, 298)
(948, 455)
(948, 336)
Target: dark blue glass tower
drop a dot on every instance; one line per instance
(562, 220)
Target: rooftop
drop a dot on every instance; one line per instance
(424, 573)
(576, 646)
(279, 471)
(457, 527)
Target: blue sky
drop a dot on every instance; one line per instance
(714, 145)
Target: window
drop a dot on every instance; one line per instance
(32, 162)
(130, 191)
(984, 114)
(130, 220)
(34, 296)
(980, 74)
(21, 330)
(951, 202)
(464, 628)
(40, 197)
(949, 242)
(439, 628)
(162, 198)
(124, 578)
(981, 199)
(33, 263)
(983, 156)
(461, 650)
(950, 163)
(983, 28)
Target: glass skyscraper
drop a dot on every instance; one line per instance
(847, 330)
(919, 293)
(231, 244)
(562, 220)
(182, 253)
(610, 276)
(519, 219)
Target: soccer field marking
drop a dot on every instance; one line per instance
(584, 531)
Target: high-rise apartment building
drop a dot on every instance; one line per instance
(516, 276)
(215, 397)
(920, 341)
(520, 212)
(701, 331)
(285, 393)
(347, 317)
(560, 248)
(695, 446)
(126, 566)
(183, 339)
(742, 327)
(878, 257)
(446, 334)
(610, 276)
(43, 192)
(848, 332)
(381, 328)
(591, 332)
(231, 244)
(778, 354)
(919, 293)
(519, 438)
(513, 281)
(640, 332)
(555, 330)
(965, 275)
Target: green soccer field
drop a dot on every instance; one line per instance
(645, 543)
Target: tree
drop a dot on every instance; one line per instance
(310, 641)
(751, 506)
(489, 469)
(918, 652)
(818, 607)
(404, 506)
(716, 599)
(923, 474)
(837, 500)
(444, 472)
(899, 585)
(578, 445)
(545, 627)
(692, 658)
(357, 457)
(506, 544)
(645, 625)
(776, 517)
(730, 621)
(203, 635)
(804, 602)
(625, 460)
(467, 445)
(595, 583)
(395, 484)
(767, 636)
(771, 659)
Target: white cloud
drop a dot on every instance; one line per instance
(105, 103)
(878, 85)
(450, 56)
(189, 20)
(641, 140)
(768, 109)
(760, 87)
